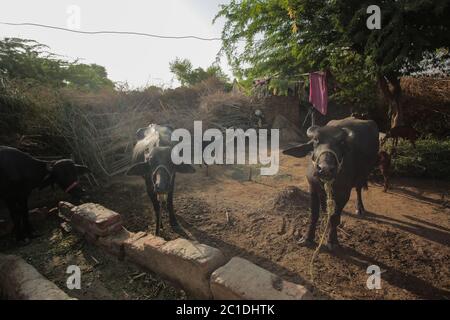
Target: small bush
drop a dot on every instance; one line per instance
(430, 159)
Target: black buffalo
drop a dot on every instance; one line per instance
(154, 150)
(20, 173)
(343, 152)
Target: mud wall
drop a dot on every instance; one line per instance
(296, 111)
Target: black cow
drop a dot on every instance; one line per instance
(20, 173)
(344, 152)
(154, 149)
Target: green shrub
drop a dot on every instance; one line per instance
(430, 159)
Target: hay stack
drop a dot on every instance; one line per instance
(432, 91)
(228, 110)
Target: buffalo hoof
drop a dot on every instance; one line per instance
(305, 242)
(360, 212)
(174, 224)
(333, 246)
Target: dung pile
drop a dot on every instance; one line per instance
(291, 199)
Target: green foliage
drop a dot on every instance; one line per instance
(270, 45)
(34, 85)
(29, 61)
(89, 77)
(188, 76)
(431, 159)
(288, 38)
(410, 29)
(285, 38)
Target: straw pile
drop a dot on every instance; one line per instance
(433, 91)
(98, 129)
(228, 110)
(103, 136)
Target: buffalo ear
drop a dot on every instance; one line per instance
(81, 170)
(299, 151)
(139, 169)
(184, 168)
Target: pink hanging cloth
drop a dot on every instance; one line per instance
(318, 92)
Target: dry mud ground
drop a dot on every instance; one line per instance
(406, 232)
(103, 277)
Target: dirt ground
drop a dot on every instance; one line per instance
(406, 232)
(103, 277)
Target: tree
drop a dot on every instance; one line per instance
(188, 76)
(288, 37)
(285, 39)
(30, 61)
(88, 76)
(411, 31)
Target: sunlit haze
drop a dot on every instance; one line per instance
(140, 61)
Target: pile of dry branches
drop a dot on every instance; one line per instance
(98, 129)
(228, 110)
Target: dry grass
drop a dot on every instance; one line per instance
(98, 128)
(433, 91)
(224, 110)
(427, 98)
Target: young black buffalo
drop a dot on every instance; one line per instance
(344, 152)
(20, 174)
(404, 132)
(154, 149)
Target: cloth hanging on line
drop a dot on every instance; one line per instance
(318, 91)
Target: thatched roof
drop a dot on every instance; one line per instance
(427, 91)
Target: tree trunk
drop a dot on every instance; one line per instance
(393, 97)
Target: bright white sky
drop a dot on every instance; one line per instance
(138, 60)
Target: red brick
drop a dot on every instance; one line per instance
(92, 220)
